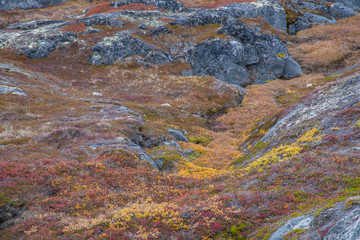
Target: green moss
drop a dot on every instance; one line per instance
(240, 160)
(261, 127)
(294, 234)
(194, 155)
(3, 199)
(291, 15)
(203, 140)
(301, 196)
(357, 124)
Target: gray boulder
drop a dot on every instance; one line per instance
(160, 30)
(117, 48)
(44, 47)
(158, 57)
(171, 5)
(302, 222)
(102, 19)
(251, 58)
(12, 90)
(32, 24)
(339, 11)
(336, 223)
(354, 4)
(301, 24)
(271, 11)
(6, 5)
(179, 136)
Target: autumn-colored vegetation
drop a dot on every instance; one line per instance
(64, 169)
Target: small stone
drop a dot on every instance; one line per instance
(12, 90)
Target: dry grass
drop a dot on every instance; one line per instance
(327, 48)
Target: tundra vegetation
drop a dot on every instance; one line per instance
(164, 119)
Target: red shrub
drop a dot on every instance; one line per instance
(74, 27)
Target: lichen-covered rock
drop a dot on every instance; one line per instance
(253, 58)
(28, 4)
(336, 223)
(12, 90)
(160, 30)
(43, 47)
(302, 222)
(271, 11)
(354, 4)
(101, 19)
(32, 24)
(171, 5)
(8, 214)
(339, 11)
(178, 135)
(158, 57)
(117, 48)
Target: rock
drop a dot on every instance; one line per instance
(171, 5)
(339, 11)
(301, 24)
(101, 19)
(316, 19)
(6, 5)
(302, 222)
(353, 4)
(43, 47)
(128, 145)
(179, 136)
(117, 48)
(271, 11)
(160, 30)
(336, 223)
(173, 143)
(253, 58)
(32, 24)
(164, 165)
(7, 215)
(12, 90)
(158, 57)
(61, 136)
(318, 108)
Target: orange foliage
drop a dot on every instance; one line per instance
(74, 27)
(100, 8)
(166, 19)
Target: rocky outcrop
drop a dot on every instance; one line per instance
(28, 4)
(339, 222)
(117, 48)
(303, 14)
(171, 5)
(354, 4)
(252, 58)
(271, 11)
(12, 90)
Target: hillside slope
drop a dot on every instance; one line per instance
(164, 119)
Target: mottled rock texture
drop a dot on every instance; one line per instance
(28, 4)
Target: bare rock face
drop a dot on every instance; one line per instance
(338, 222)
(117, 48)
(252, 57)
(271, 11)
(6, 5)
